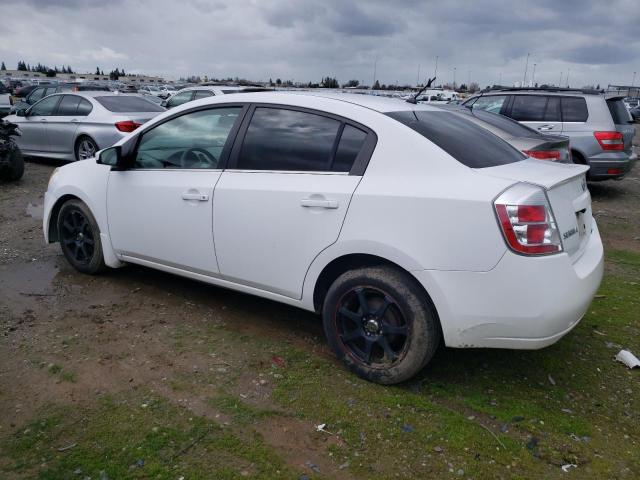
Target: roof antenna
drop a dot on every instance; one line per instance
(414, 99)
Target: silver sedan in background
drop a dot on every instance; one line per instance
(75, 125)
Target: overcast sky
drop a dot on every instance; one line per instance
(597, 41)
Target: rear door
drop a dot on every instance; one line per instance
(540, 112)
(61, 127)
(285, 194)
(623, 121)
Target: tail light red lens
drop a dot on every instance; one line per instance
(610, 140)
(552, 155)
(127, 126)
(527, 221)
(614, 171)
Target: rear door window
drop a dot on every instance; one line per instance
(574, 109)
(528, 108)
(552, 112)
(84, 107)
(351, 143)
(289, 140)
(68, 105)
(619, 112)
(455, 134)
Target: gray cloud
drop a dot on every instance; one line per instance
(306, 40)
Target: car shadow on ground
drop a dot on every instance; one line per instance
(50, 162)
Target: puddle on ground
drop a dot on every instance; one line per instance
(27, 279)
(35, 211)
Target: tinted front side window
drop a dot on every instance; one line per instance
(528, 108)
(491, 104)
(68, 105)
(45, 107)
(179, 99)
(193, 140)
(202, 94)
(351, 143)
(465, 141)
(506, 124)
(279, 139)
(125, 103)
(574, 109)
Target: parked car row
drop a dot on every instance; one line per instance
(404, 225)
(598, 126)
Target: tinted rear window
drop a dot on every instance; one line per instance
(528, 108)
(619, 112)
(574, 109)
(123, 103)
(465, 141)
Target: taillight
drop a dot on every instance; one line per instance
(527, 221)
(610, 140)
(552, 155)
(127, 126)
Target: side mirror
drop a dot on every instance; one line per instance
(110, 156)
(21, 112)
(164, 104)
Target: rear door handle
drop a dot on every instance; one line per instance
(545, 128)
(200, 197)
(318, 202)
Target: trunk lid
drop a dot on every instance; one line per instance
(568, 195)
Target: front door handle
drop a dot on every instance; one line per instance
(545, 128)
(200, 197)
(318, 202)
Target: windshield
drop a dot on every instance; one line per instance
(465, 141)
(121, 104)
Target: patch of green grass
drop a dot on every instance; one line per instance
(135, 438)
(240, 411)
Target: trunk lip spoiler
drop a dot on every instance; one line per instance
(578, 171)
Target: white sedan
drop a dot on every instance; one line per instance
(403, 225)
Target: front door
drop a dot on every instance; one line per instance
(33, 127)
(160, 210)
(284, 197)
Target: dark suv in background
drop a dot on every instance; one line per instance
(599, 127)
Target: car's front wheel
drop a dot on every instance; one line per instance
(79, 237)
(381, 324)
(86, 148)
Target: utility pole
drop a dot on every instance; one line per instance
(533, 75)
(375, 68)
(526, 67)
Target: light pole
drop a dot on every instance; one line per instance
(526, 67)
(560, 84)
(454, 78)
(634, 80)
(533, 75)
(375, 67)
(568, 72)
(435, 72)
(418, 82)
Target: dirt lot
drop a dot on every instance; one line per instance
(139, 374)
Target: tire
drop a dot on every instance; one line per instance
(86, 148)
(390, 340)
(12, 168)
(79, 237)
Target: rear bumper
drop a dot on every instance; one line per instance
(602, 164)
(523, 303)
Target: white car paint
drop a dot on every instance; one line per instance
(415, 206)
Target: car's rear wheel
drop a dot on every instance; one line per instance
(79, 237)
(381, 324)
(86, 148)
